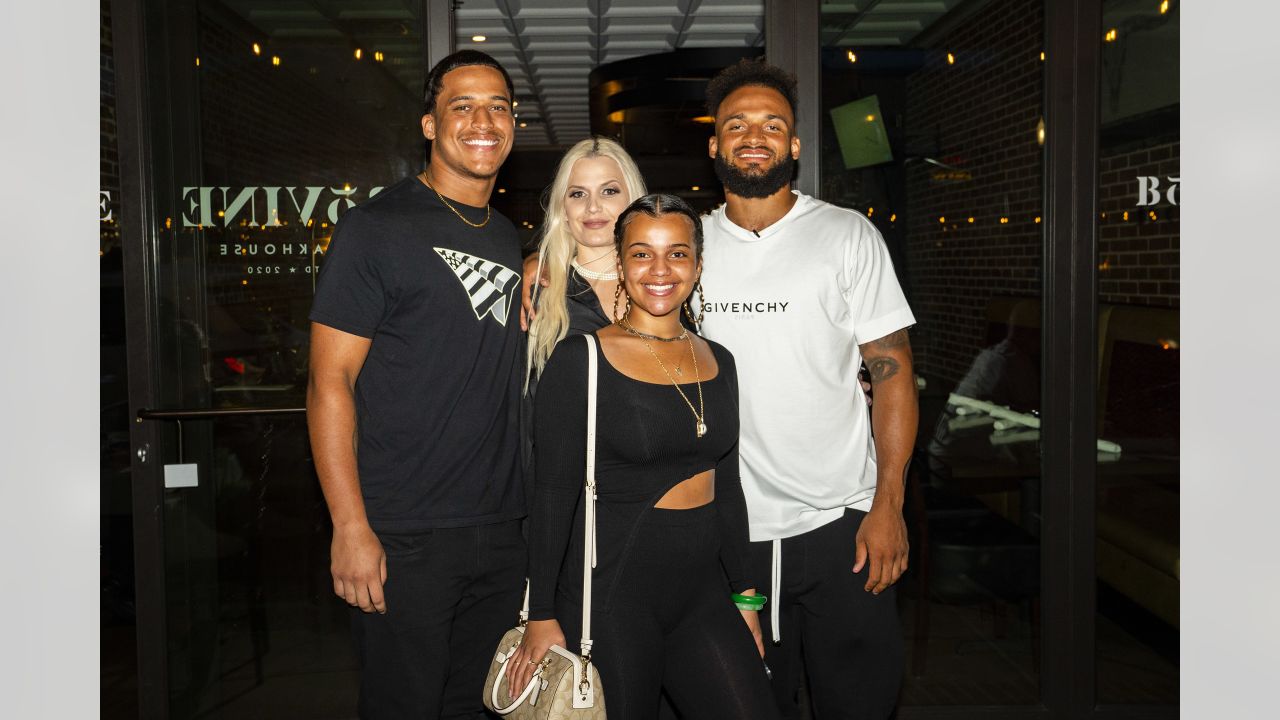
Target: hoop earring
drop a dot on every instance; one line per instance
(688, 305)
(626, 311)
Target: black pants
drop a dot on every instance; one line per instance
(451, 594)
(671, 625)
(846, 641)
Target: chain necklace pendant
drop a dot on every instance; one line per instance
(701, 429)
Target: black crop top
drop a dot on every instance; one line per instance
(645, 445)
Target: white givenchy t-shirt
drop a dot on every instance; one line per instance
(792, 305)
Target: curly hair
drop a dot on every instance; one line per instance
(749, 71)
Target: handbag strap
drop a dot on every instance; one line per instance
(589, 494)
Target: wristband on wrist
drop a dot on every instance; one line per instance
(749, 602)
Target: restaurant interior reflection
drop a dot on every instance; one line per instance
(235, 134)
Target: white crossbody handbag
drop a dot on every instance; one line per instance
(565, 685)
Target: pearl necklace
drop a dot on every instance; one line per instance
(592, 274)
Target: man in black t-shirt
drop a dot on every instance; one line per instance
(413, 407)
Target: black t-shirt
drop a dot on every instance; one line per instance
(438, 398)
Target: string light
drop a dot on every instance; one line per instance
(478, 38)
(1164, 6)
(1041, 56)
(275, 60)
(1037, 219)
(942, 219)
(970, 219)
(359, 53)
(893, 217)
(257, 49)
(1112, 35)
(852, 57)
(197, 61)
(951, 59)
(695, 188)
(378, 56)
(501, 190)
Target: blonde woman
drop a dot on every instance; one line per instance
(595, 181)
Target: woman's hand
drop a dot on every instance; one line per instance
(539, 636)
(752, 618)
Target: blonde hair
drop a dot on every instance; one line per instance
(557, 248)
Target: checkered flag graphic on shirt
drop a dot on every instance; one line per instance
(489, 285)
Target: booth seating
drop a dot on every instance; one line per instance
(977, 541)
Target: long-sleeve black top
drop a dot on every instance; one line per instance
(645, 445)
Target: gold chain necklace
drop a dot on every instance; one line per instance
(699, 415)
(488, 211)
(684, 333)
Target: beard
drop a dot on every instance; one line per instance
(755, 185)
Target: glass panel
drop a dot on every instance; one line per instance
(269, 121)
(931, 127)
(119, 671)
(1138, 337)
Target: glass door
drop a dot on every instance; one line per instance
(267, 122)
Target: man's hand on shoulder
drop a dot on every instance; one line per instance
(526, 289)
(359, 567)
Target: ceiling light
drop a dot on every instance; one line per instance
(524, 124)
(478, 38)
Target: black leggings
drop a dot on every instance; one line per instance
(670, 624)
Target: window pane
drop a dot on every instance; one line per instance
(932, 127)
(1138, 330)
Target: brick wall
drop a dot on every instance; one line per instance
(978, 115)
(108, 149)
(1138, 255)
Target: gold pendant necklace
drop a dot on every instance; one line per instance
(699, 415)
(488, 211)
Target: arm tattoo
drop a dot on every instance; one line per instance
(881, 369)
(895, 339)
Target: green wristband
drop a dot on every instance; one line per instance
(749, 602)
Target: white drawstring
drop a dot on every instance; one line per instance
(776, 587)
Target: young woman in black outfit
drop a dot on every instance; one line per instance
(671, 518)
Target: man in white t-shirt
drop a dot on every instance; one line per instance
(803, 293)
